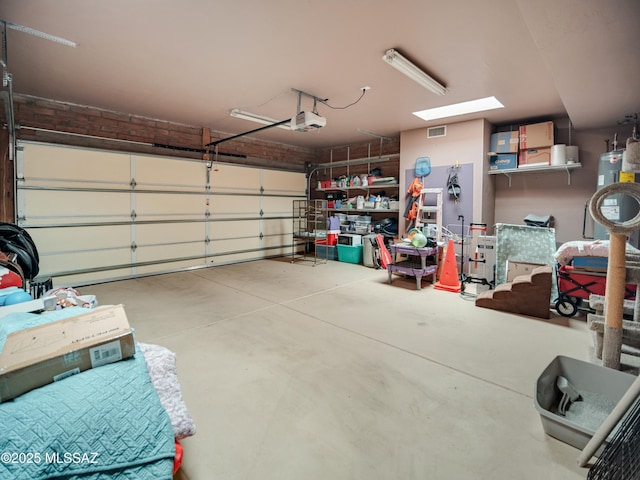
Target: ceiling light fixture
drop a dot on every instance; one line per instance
(403, 65)
(472, 106)
(254, 117)
(38, 33)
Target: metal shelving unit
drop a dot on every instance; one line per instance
(309, 224)
(375, 186)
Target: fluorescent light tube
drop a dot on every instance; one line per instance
(254, 117)
(472, 106)
(400, 63)
(38, 33)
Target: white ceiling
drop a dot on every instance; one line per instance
(192, 61)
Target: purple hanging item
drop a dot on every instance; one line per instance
(334, 223)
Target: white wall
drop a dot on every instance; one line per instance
(548, 193)
(465, 143)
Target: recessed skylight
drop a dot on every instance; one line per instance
(472, 106)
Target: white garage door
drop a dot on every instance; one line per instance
(100, 215)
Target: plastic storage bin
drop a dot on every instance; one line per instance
(326, 251)
(601, 389)
(350, 253)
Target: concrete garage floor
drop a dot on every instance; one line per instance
(292, 371)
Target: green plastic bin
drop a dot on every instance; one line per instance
(350, 253)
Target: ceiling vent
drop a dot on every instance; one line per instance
(435, 132)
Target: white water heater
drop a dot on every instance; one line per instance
(618, 207)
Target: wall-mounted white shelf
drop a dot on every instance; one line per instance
(538, 169)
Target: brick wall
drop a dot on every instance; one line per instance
(124, 132)
(372, 148)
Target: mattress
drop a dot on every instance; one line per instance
(597, 248)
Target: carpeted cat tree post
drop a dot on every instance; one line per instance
(616, 269)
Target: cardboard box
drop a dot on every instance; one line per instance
(536, 135)
(534, 157)
(51, 352)
(505, 142)
(503, 161)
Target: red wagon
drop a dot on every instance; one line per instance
(576, 284)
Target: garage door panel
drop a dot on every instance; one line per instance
(280, 226)
(168, 233)
(174, 266)
(237, 257)
(276, 240)
(226, 206)
(228, 246)
(69, 165)
(277, 206)
(93, 277)
(157, 206)
(231, 178)
(277, 251)
(282, 183)
(75, 207)
(155, 171)
(234, 230)
(165, 252)
(72, 239)
(72, 261)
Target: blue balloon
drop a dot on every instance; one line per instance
(17, 297)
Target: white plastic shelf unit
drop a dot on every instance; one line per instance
(309, 224)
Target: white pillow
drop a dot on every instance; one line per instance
(161, 363)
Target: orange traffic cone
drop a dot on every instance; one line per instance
(449, 279)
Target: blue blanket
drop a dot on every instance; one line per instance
(104, 423)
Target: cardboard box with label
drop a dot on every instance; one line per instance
(536, 135)
(53, 351)
(504, 142)
(503, 161)
(534, 157)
